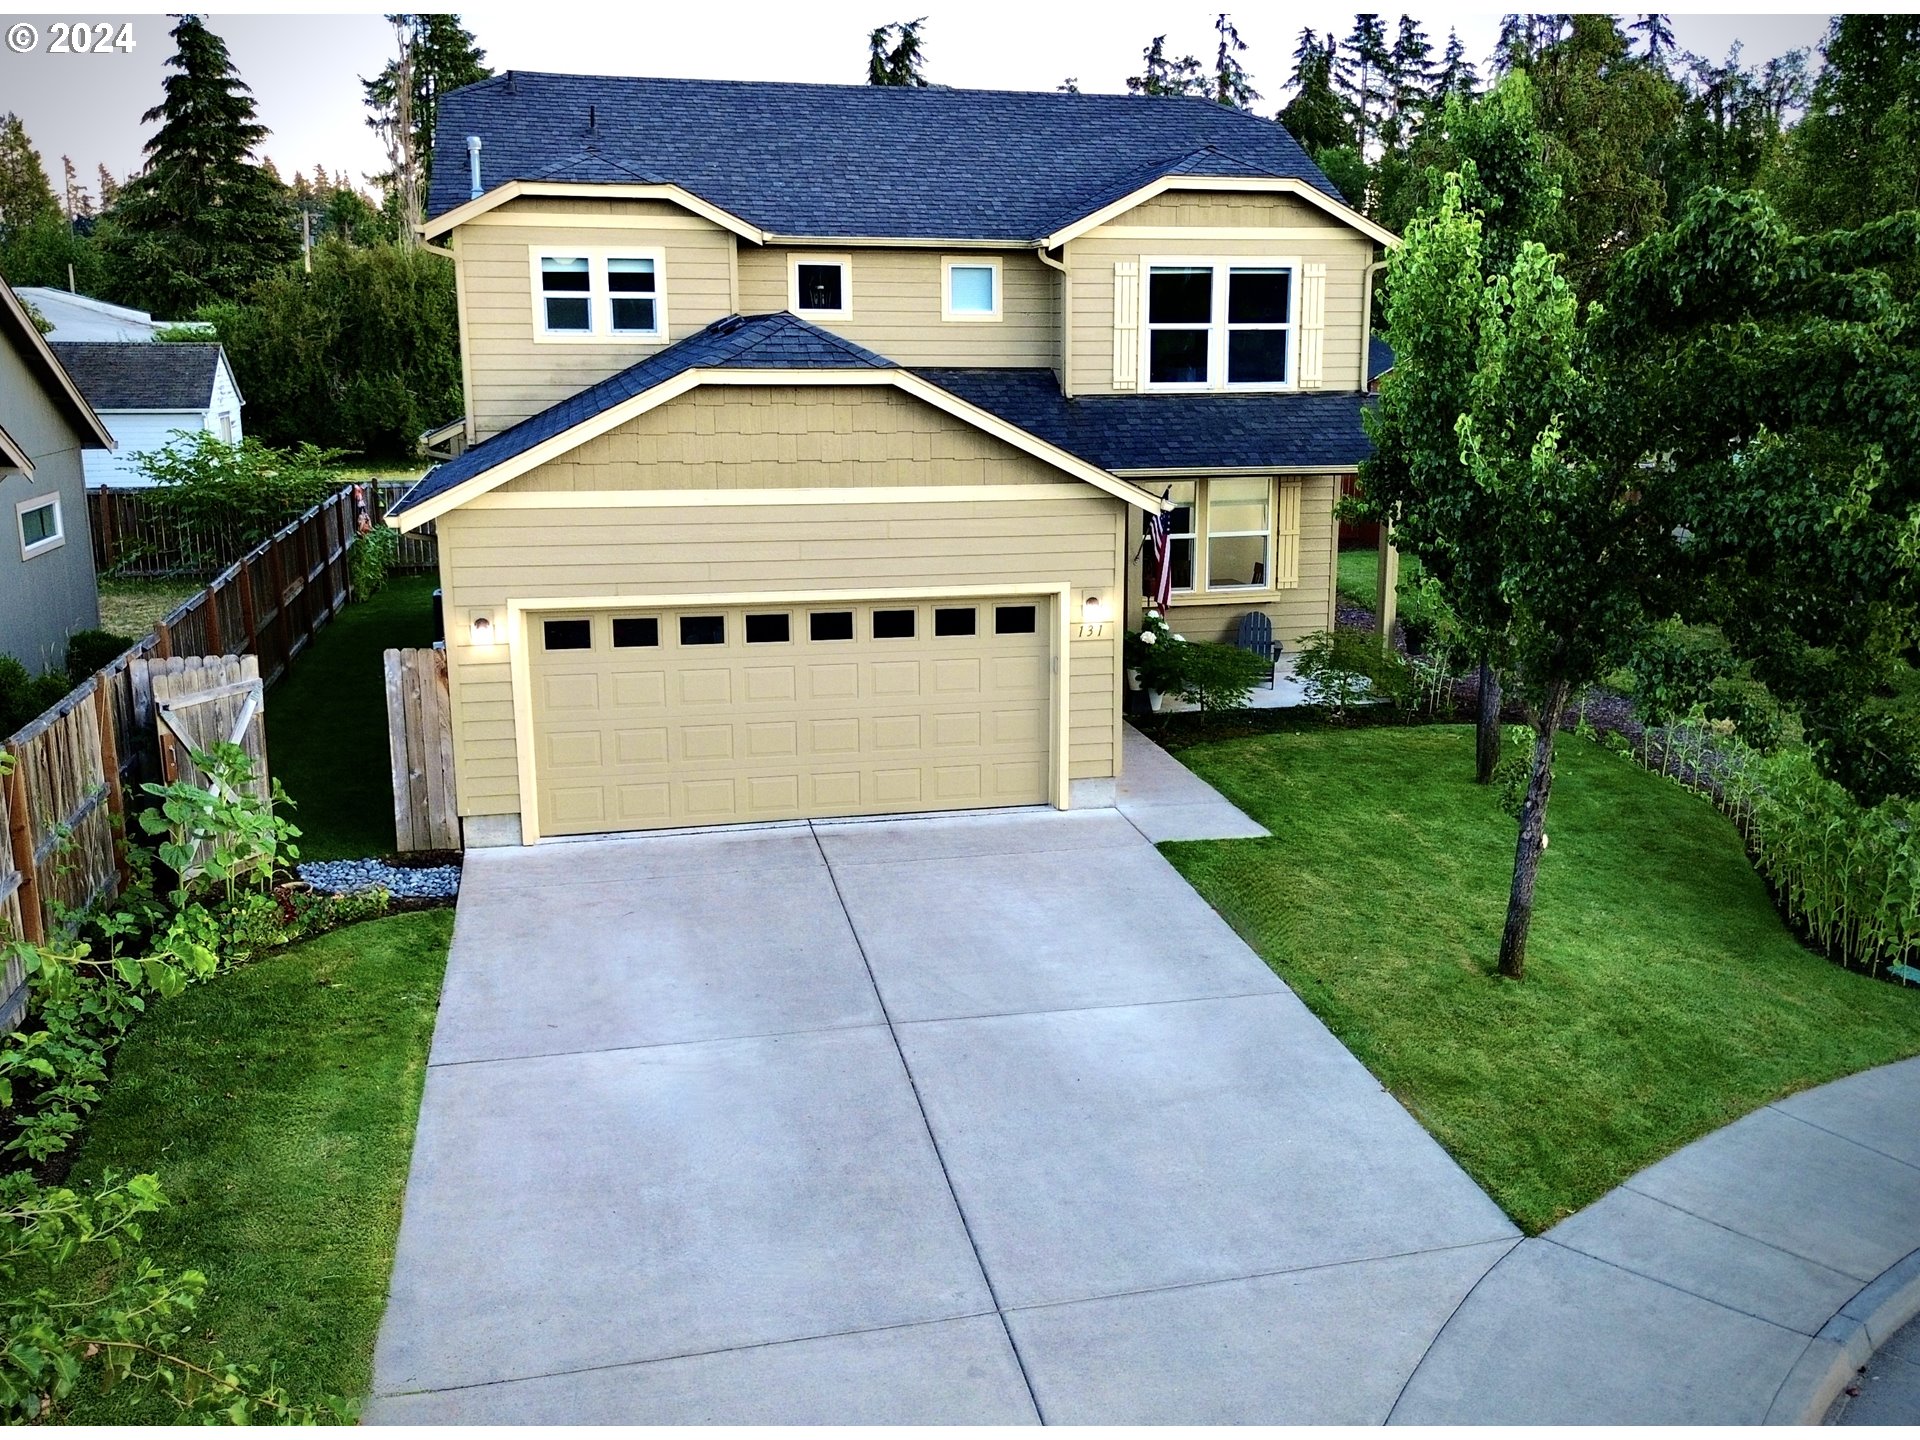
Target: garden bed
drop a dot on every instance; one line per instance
(1664, 996)
(276, 1104)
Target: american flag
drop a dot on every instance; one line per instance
(1157, 530)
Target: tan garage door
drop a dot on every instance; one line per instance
(645, 718)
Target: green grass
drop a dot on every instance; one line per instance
(327, 723)
(1357, 578)
(133, 607)
(277, 1105)
(1663, 998)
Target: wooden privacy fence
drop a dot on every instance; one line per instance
(419, 551)
(200, 702)
(420, 745)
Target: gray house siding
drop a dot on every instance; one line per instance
(45, 599)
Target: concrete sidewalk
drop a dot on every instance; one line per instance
(1166, 801)
(1740, 1280)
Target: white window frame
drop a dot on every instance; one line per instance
(29, 549)
(1218, 327)
(845, 265)
(1265, 535)
(599, 329)
(972, 262)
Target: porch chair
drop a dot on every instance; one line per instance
(1256, 635)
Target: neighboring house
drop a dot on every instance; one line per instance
(148, 393)
(81, 317)
(813, 433)
(46, 557)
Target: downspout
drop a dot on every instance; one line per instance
(1366, 318)
(1066, 316)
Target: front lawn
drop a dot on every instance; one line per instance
(133, 607)
(277, 1105)
(1664, 998)
(1357, 576)
(327, 723)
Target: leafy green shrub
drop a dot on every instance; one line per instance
(1426, 620)
(1673, 667)
(1756, 718)
(1848, 873)
(1340, 669)
(91, 651)
(371, 560)
(1217, 677)
(1515, 768)
(23, 697)
(244, 488)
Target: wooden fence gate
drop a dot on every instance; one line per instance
(420, 745)
(200, 702)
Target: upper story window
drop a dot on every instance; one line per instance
(820, 285)
(591, 294)
(40, 526)
(969, 289)
(1217, 325)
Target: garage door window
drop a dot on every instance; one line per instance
(954, 620)
(568, 634)
(632, 632)
(893, 624)
(1013, 620)
(769, 629)
(830, 625)
(703, 629)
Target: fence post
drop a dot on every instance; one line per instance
(20, 837)
(163, 639)
(110, 772)
(106, 529)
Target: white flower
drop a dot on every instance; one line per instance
(1153, 614)
(1147, 637)
(1181, 638)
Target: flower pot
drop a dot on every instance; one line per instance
(1133, 677)
(1155, 699)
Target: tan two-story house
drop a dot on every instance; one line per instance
(812, 433)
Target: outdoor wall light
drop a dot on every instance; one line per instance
(482, 632)
(1092, 612)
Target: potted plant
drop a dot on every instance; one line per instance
(1153, 655)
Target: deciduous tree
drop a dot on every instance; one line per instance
(26, 195)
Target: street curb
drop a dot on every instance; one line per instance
(1847, 1342)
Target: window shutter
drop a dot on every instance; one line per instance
(1126, 324)
(1313, 325)
(1286, 536)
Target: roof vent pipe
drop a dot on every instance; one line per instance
(473, 165)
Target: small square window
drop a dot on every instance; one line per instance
(568, 634)
(566, 284)
(973, 291)
(893, 624)
(39, 526)
(953, 620)
(1014, 620)
(634, 632)
(830, 625)
(703, 629)
(820, 285)
(769, 629)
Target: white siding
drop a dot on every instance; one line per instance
(134, 433)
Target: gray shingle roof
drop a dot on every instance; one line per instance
(754, 342)
(1170, 432)
(852, 160)
(141, 375)
(1119, 432)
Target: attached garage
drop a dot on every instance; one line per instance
(647, 716)
(782, 583)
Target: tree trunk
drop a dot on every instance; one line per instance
(1486, 738)
(1533, 830)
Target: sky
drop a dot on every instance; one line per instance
(304, 68)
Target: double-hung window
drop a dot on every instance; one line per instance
(1220, 325)
(1239, 531)
(593, 294)
(1181, 532)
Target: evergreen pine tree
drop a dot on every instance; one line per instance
(1657, 34)
(1315, 116)
(896, 55)
(202, 221)
(1362, 75)
(78, 202)
(26, 195)
(1232, 86)
(1410, 79)
(109, 188)
(1456, 75)
(436, 54)
(1161, 76)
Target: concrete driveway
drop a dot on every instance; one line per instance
(979, 1119)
